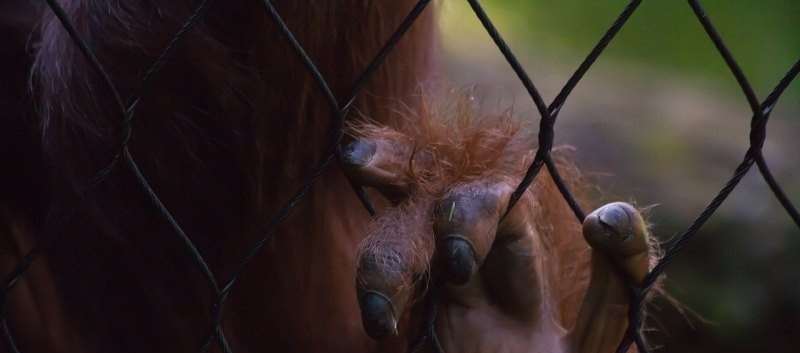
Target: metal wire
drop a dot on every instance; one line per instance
(340, 110)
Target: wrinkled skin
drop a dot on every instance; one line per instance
(225, 134)
(502, 288)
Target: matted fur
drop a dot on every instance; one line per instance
(228, 130)
(456, 141)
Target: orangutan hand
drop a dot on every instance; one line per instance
(502, 292)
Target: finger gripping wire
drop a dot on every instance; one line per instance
(340, 108)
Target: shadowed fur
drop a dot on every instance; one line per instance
(225, 134)
(455, 141)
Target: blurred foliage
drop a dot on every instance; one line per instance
(661, 112)
(763, 35)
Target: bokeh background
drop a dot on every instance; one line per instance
(660, 120)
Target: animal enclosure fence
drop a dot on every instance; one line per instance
(341, 106)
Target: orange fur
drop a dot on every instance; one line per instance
(457, 142)
(225, 134)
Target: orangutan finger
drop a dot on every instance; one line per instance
(379, 163)
(619, 231)
(392, 258)
(465, 223)
(619, 239)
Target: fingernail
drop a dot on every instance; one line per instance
(377, 315)
(359, 152)
(616, 220)
(459, 259)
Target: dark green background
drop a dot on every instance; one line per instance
(740, 275)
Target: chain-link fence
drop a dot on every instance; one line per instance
(341, 107)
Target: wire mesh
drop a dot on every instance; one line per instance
(340, 109)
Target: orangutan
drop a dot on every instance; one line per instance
(224, 135)
(515, 278)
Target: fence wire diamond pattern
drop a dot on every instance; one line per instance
(340, 108)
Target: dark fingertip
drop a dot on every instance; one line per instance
(359, 153)
(616, 228)
(616, 220)
(377, 315)
(459, 259)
